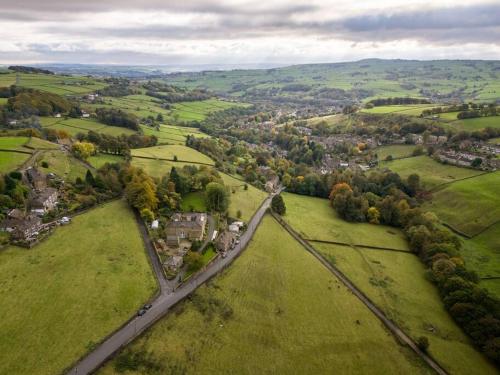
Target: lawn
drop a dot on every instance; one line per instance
(10, 161)
(194, 202)
(469, 205)
(65, 295)
(97, 161)
(62, 164)
(315, 219)
(169, 152)
(246, 201)
(431, 172)
(397, 283)
(276, 310)
(396, 151)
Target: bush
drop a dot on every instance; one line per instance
(45, 164)
(423, 343)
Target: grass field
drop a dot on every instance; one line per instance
(473, 124)
(469, 205)
(61, 85)
(246, 201)
(62, 297)
(194, 201)
(10, 161)
(410, 110)
(97, 161)
(396, 282)
(169, 134)
(157, 168)
(431, 172)
(315, 219)
(3, 101)
(41, 144)
(73, 126)
(396, 151)
(183, 154)
(62, 164)
(289, 316)
(13, 143)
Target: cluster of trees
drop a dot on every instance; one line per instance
(117, 145)
(479, 111)
(278, 205)
(173, 94)
(29, 69)
(83, 150)
(383, 198)
(395, 101)
(117, 117)
(118, 87)
(28, 102)
(13, 193)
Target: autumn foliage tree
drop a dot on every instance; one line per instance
(140, 189)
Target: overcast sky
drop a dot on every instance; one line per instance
(155, 32)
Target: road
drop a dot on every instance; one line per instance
(396, 331)
(162, 304)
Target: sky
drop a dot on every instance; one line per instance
(161, 32)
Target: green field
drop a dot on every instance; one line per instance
(10, 161)
(65, 295)
(473, 124)
(315, 219)
(41, 144)
(73, 126)
(431, 172)
(168, 152)
(397, 283)
(396, 151)
(157, 168)
(469, 205)
(246, 201)
(3, 101)
(289, 316)
(97, 161)
(62, 164)
(61, 85)
(194, 201)
(410, 110)
(13, 143)
(169, 134)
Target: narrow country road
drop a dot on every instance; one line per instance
(396, 331)
(161, 305)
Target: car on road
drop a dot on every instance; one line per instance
(141, 312)
(147, 306)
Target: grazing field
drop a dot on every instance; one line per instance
(194, 202)
(97, 161)
(62, 164)
(482, 254)
(10, 161)
(73, 126)
(396, 151)
(276, 310)
(246, 201)
(65, 295)
(473, 124)
(169, 152)
(169, 134)
(397, 283)
(41, 144)
(13, 143)
(469, 205)
(315, 219)
(410, 110)
(157, 168)
(431, 172)
(61, 85)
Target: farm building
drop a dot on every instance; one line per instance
(190, 226)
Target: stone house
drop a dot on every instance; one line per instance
(225, 241)
(189, 226)
(44, 201)
(22, 227)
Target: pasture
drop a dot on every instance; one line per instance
(469, 205)
(246, 201)
(56, 84)
(13, 143)
(397, 283)
(169, 152)
(431, 172)
(169, 134)
(410, 109)
(62, 297)
(97, 161)
(315, 219)
(10, 161)
(61, 163)
(275, 306)
(396, 151)
(73, 126)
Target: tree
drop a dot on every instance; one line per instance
(140, 190)
(423, 343)
(194, 261)
(83, 150)
(217, 197)
(476, 162)
(89, 178)
(147, 215)
(278, 204)
(373, 215)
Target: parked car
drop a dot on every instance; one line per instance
(147, 306)
(141, 312)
